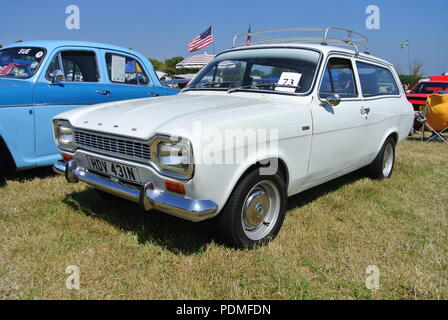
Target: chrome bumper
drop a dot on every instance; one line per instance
(146, 196)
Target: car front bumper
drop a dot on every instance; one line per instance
(146, 196)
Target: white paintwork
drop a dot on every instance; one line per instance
(340, 138)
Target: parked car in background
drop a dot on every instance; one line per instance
(418, 95)
(43, 78)
(176, 83)
(257, 124)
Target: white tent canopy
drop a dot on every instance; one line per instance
(195, 62)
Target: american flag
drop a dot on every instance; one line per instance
(201, 41)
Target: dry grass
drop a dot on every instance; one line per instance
(331, 234)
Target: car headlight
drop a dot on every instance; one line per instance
(173, 157)
(64, 135)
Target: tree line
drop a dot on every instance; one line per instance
(416, 75)
(169, 66)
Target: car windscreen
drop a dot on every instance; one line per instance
(20, 62)
(430, 87)
(277, 70)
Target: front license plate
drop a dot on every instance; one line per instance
(114, 169)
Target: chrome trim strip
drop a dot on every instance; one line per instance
(56, 104)
(147, 197)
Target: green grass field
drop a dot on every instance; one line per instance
(330, 235)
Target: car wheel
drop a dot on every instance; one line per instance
(383, 165)
(254, 212)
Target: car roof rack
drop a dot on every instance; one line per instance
(350, 38)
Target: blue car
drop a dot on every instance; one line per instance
(41, 79)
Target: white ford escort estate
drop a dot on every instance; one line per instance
(263, 121)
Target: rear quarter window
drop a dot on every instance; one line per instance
(125, 70)
(376, 80)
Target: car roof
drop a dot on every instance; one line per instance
(325, 49)
(53, 44)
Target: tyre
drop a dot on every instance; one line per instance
(254, 213)
(383, 165)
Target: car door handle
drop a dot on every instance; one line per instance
(365, 111)
(153, 94)
(103, 92)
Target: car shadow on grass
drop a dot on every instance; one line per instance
(434, 139)
(25, 175)
(177, 235)
(303, 198)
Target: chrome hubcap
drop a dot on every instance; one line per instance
(260, 210)
(388, 160)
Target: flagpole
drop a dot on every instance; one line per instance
(405, 44)
(409, 56)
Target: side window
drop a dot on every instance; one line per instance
(339, 78)
(376, 81)
(77, 66)
(125, 70)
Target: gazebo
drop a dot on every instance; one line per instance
(195, 62)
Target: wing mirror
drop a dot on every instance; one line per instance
(57, 77)
(334, 99)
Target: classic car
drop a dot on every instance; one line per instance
(40, 79)
(256, 125)
(434, 85)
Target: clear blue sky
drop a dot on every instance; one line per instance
(162, 29)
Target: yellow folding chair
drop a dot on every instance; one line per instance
(436, 117)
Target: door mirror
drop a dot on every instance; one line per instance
(57, 77)
(334, 99)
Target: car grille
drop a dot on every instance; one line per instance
(112, 145)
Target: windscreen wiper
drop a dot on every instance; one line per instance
(212, 84)
(207, 85)
(272, 84)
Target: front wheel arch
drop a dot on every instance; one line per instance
(282, 168)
